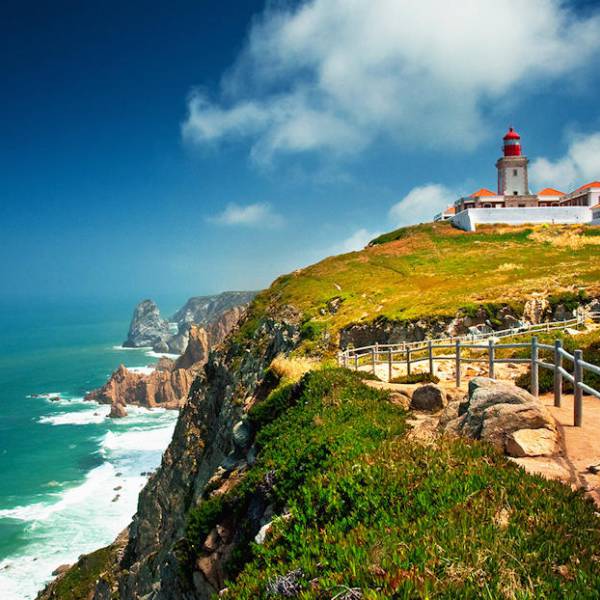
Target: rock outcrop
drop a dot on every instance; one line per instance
(216, 312)
(205, 447)
(161, 388)
(168, 385)
(506, 416)
(147, 328)
(204, 310)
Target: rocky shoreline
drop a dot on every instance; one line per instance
(168, 385)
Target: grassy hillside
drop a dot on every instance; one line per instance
(373, 514)
(434, 269)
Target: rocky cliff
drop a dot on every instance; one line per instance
(419, 278)
(147, 328)
(203, 310)
(168, 385)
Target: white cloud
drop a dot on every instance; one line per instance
(260, 214)
(421, 204)
(579, 165)
(356, 241)
(334, 75)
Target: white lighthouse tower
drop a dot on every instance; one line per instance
(512, 167)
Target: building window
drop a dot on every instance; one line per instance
(521, 206)
(515, 193)
(514, 172)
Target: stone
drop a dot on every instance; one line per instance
(117, 411)
(61, 569)
(429, 397)
(241, 434)
(495, 411)
(536, 310)
(147, 328)
(400, 398)
(531, 442)
(261, 536)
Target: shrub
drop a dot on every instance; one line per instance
(291, 369)
(277, 402)
(372, 510)
(416, 378)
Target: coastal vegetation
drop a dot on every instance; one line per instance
(433, 270)
(364, 507)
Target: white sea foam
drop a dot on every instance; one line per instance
(128, 348)
(96, 414)
(142, 370)
(162, 355)
(87, 516)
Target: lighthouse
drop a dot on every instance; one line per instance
(512, 167)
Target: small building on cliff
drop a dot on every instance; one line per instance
(515, 204)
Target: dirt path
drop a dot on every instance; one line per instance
(580, 446)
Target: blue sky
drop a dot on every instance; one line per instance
(172, 149)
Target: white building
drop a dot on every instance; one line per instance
(514, 203)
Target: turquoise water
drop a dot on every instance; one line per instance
(69, 476)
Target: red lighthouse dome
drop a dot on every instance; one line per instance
(512, 143)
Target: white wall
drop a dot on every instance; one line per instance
(469, 219)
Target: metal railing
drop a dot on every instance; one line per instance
(410, 355)
(349, 353)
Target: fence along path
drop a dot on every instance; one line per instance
(413, 353)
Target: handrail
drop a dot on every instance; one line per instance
(407, 351)
(440, 342)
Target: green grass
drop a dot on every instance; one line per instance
(371, 509)
(590, 345)
(78, 583)
(434, 270)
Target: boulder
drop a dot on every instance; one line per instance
(61, 569)
(531, 442)
(505, 416)
(536, 310)
(117, 411)
(429, 397)
(241, 434)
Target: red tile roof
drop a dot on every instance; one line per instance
(550, 192)
(482, 192)
(587, 186)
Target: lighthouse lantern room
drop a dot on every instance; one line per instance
(512, 167)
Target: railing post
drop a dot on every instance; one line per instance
(457, 358)
(390, 365)
(430, 356)
(578, 395)
(355, 361)
(491, 356)
(408, 361)
(558, 362)
(373, 360)
(535, 385)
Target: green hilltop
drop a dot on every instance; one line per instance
(434, 270)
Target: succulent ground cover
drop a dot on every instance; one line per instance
(368, 513)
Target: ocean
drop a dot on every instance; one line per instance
(69, 476)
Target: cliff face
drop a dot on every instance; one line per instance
(203, 310)
(168, 385)
(161, 388)
(202, 442)
(147, 328)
